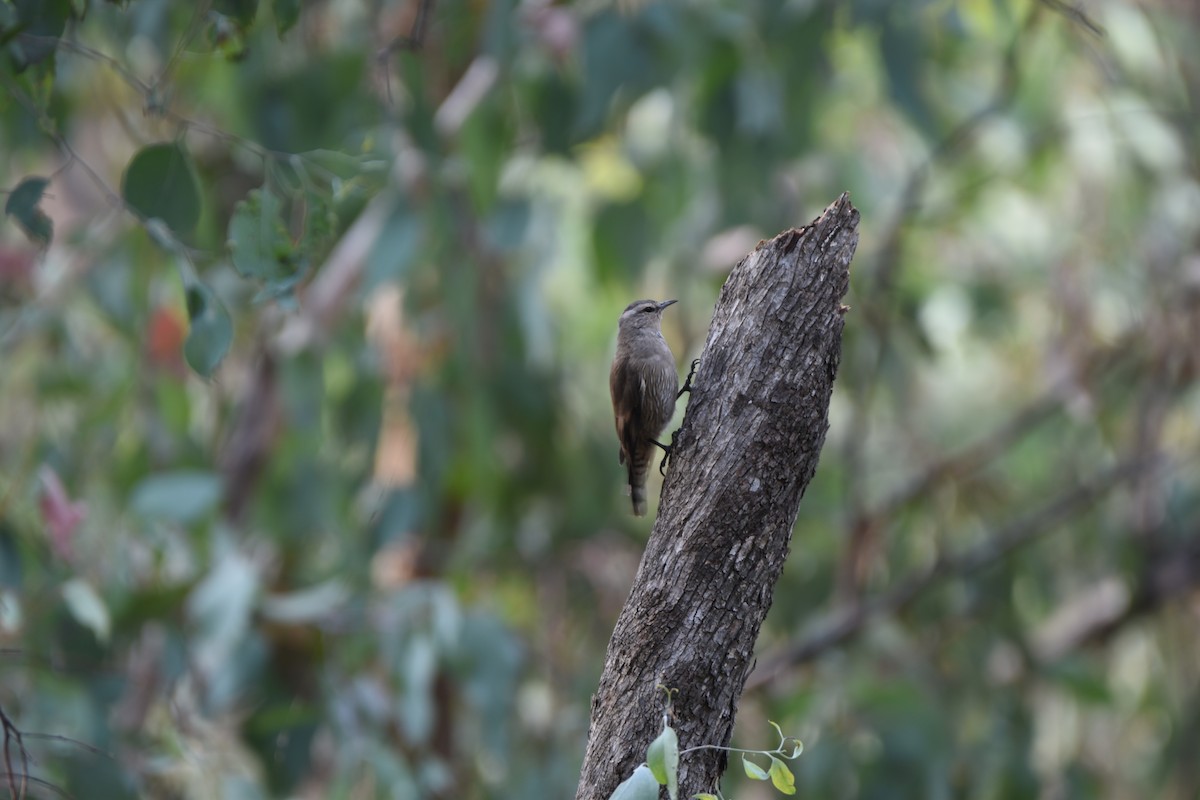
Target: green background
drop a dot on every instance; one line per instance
(308, 482)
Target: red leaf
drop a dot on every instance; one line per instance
(60, 515)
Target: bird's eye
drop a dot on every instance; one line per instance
(648, 309)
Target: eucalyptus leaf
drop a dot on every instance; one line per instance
(287, 14)
(782, 777)
(754, 770)
(663, 759)
(259, 245)
(87, 607)
(221, 606)
(210, 330)
(22, 206)
(641, 785)
(160, 183)
(183, 496)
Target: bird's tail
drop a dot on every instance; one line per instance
(638, 464)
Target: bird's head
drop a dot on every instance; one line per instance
(643, 315)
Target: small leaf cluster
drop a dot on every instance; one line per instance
(661, 767)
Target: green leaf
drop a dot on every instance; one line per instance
(782, 777)
(638, 786)
(243, 11)
(789, 746)
(287, 14)
(663, 759)
(507, 226)
(210, 330)
(259, 245)
(221, 607)
(704, 797)
(88, 609)
(324, 164)
(1085, 682)
(11, 561)
(181, 496)
(306, 606)
(754, 770)
(397, 248)
(227, 37)
(45, 21)
(320, 227)
(22, 206)
(160, 183)
(904, 46)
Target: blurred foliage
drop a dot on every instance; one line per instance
(308, 486)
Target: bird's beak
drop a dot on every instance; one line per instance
(666, 303)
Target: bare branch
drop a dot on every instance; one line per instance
(415, 39)
(13, 734)
(1075, 14)
(843, 625)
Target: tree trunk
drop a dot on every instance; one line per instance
(744, 455)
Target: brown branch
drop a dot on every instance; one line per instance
(972, 457)
(747, 449)
(1074, 14)
(415, 39)
(1120, 363)
(13, 734)
(1171, 570)
(841, 626)
(45, 784)
(1095, 365)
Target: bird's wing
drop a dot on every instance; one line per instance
(628, 392)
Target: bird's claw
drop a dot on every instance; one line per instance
(668, 451)
(687, 384)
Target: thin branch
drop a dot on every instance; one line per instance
(13, 733)
(974, 456)
(81, 49)
(201, 11)
(45, 784)
(1075, 14)
(149, 92)
(415, 39)
(843, 625)
(1094, 615)
(996, 443)
(58, 139)
(54, 737)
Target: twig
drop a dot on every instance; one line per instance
(11, 733)
(83, 50)
(193, 26)
(45, 784)
(415, 39)
(994, 444)
(54, 737)
(1074, 14)
(149, 92)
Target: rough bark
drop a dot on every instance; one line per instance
(748, 446)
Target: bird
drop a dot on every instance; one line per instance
(644, 387)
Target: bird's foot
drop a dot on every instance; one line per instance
(668, 450)
(687, 384)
